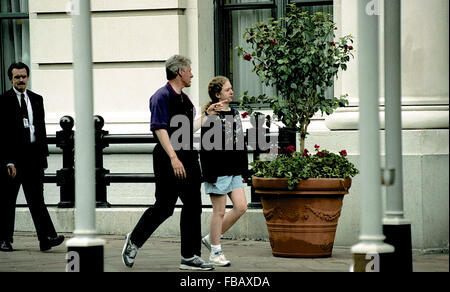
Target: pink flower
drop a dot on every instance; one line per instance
(316, 146)
(343, 152)
(332, 43)
(305, 152)
(350, 48)
(320, 154)
(273, 42)
(290, 149)
(244, 115)
(247, 57)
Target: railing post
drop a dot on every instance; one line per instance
(286, 137)
(100, 172)
(252, 139)
(66, 175)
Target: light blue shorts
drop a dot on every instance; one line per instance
(224, 185)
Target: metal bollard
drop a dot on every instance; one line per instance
(66, 175)
(100, 172)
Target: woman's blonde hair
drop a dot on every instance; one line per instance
(215, 86)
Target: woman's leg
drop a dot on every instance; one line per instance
(237, 197)
(215, 230)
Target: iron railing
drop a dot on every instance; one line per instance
(65, 177)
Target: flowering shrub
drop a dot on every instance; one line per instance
(303, 165)
(300, 57)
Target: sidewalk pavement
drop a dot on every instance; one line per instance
(163, 255)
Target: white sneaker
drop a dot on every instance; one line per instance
(206, 242)
(219, 259)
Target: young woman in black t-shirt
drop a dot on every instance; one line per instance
(224, 165)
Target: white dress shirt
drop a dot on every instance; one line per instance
(30, 112)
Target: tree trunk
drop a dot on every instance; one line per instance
(303, 132)
(302, 143)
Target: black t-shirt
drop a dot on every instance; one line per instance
(228, 157)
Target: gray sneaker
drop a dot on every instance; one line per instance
(206, 242)
(129, 252)
(196, 263)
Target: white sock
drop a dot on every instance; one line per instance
(207, 236)
(216, 248)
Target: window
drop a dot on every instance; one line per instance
(14, 37)
(231, 19)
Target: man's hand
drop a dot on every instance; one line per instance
(178, 168)
(12, 172)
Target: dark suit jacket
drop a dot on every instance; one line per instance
(4, 138)
(14, 143)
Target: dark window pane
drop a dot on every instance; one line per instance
(240, 70)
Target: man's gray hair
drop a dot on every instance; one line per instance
(175, 63)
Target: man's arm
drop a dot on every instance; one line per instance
(177, 165)
(41, 132)
(7, 128)
(199, 122)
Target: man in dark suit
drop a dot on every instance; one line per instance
(25, 152)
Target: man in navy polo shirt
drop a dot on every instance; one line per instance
(176, 168)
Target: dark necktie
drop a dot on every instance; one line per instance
(26, 120)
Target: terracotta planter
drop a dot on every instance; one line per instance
(302, 222)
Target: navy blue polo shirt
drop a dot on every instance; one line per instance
(166, 103)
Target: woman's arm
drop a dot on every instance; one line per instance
(213, 109)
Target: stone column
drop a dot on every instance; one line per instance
(425, 66)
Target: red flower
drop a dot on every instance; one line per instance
(290, 149)
(244, 115)
(273, 42)
(332, 43)
(247, 57)
(320, 154)
(316, 146)
(350, 48)
(305, 152)
(343, 152)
